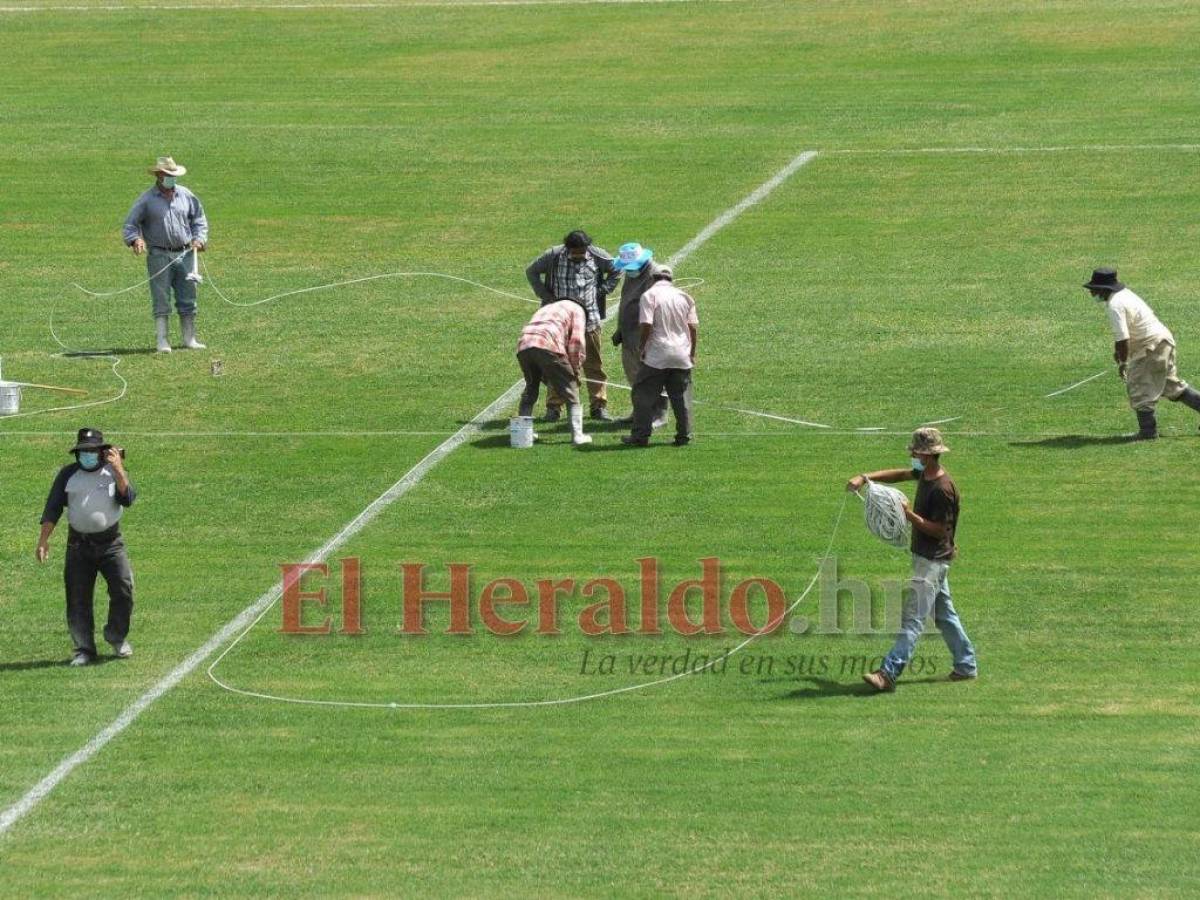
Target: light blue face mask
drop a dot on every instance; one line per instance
(917, 464)
(89, 461)
(168, 181)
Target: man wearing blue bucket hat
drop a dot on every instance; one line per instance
(637, 264)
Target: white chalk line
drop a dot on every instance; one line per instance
(1066, 148)
(768, 628)
(251, 614)
(42, 789)
(300, 7)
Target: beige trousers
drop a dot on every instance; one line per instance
(593, 376)
(1152, 376)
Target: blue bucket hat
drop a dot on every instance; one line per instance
(632, 256)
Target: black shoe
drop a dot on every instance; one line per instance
(630, 441)
(601, 414)
(1147, 426)
(681, 441)
(553, 414)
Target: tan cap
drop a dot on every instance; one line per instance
(927, 440)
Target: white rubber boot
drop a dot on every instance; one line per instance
(162, 327)
(578, 438)
(188, 325)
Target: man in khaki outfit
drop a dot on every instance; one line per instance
(1144, 351)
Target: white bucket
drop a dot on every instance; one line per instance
(10, 398)
(520, 432)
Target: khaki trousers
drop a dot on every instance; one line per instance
(1152, 376)
(593, 376)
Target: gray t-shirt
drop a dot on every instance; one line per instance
(91, 499)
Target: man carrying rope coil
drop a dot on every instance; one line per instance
(934, 518)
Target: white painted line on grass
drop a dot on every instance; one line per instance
(1075, 148)
(250, 614)
(419, 4)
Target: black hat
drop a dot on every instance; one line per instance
(1105, 280)
(89, 439)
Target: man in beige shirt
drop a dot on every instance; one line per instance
(1144, 350)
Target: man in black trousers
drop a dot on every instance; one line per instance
(94, 490)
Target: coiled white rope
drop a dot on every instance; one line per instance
(883, 511)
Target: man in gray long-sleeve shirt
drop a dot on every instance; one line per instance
(169, 221)
(578, 270)
(641, 272)
(94, 490)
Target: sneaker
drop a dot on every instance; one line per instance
(682, 441)
(962, 676)
(81, 659)
(880, 680)
(600, 414)
(123, 650)
(553, 414)
(630, 441)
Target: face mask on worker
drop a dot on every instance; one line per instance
(89, 461)
(168, 182)
(917, 465)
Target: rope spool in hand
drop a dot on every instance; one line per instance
(884, 514)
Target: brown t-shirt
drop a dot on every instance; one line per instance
(937, 500)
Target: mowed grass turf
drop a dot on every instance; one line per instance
(871, 290)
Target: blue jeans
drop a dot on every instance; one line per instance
(930, 592)
(174, 277)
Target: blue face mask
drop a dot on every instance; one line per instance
(917, 464)
(168, 182)
(89, 461)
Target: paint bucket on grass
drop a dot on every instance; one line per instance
(10, 398)
(520, 432)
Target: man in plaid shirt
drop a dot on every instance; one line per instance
(578, 270)
(551, 349)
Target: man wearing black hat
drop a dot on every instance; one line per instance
(94, 490)
(1144, 351)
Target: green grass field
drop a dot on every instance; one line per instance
(876, 287)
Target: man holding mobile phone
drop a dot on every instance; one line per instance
(94, 490)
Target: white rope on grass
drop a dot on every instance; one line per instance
(527, 704)
(363, 279)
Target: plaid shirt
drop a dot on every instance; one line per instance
(559, 329)
(583, 280)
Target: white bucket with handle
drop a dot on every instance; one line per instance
(10, 398)
(520, 432)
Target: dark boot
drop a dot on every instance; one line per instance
(1190, 398)
(1147, 425)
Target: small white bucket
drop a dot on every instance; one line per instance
(10, 398)
(520, 432)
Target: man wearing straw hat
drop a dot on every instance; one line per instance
(94, 490)
(1144, 351)
(934, 518)
(168, 221)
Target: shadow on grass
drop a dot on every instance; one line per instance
(28, 665)
(822, 688)
(115, 351)
(1076, 441)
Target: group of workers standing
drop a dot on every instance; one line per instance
(562, 343)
